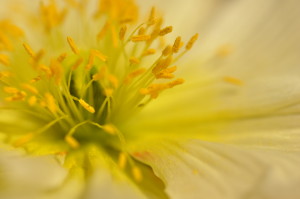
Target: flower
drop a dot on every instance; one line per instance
(93, 106)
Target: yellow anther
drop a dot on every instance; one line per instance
(108, 92)
(32, 100)
(46, 69)
(62, 57)
(19, 96)
(103, 31)
(191, 41)
(4, 60)
(56, 71)
(29, 50)
(167, 51)
(162, 64)
(122, 160)
(150, 51)
(176, 82)
(90, 61)
(122, 32)
(99, 55)
(134, 74)
(38, 78)
(154, 90)
(50, 103)
(171, 69)
(139, 38)
(151, 19)
(165, 31)
(233, 81)
(30, 88)
(5, 74)
(137, 174)
(87, 107)
(101, 74)
(10, 90)
(142, 31)
(72, 45)
(72, 141)
(164, 75)
(134, 60)
(77, 63)
(109, 128)
(113, 80)
(23, 140)
(176, 45)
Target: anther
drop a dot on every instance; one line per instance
(72, 141)
(30, 88)
(4, 60)
(134, 60)
(77, 63)
(122, 160)
(29, 50)
(167, 51)
(122, 32)
(139, 38)
(233, 81)
(176, 45)
(137, 174)
(72, 45)
(109, 128)
(32, 100)
(61, 57)
(191, 42)
(87, 107)
(50, 102)
(165, 31)
(150, 51)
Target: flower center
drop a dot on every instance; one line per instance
(81, 94)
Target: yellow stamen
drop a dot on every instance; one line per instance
(50, 103)
(122, 160)
(77, 63)
(165, 31)
(29, 50)
(99, 55)
(32, 100)
(91, 61)
(23, 140)
(114, 36)
(30, 88)
(134, 60)
(4, 60)
(176, 82)
(233, 81)
(72, 141)
(122, 32)
(150, 51)
(19, 96)
(56, 71)
(137, 174)
(162, 64)
(103, 31)
(109, 128)
(134, 74)
(151, 19)
(191, 42)
(62, 57)
(38, 78)
(72, 45)
(87, 107)
(10, 90)
(139, 38)
(167, 51)
(142, 31)
(113, 80)
(108, 92)
(176, 45)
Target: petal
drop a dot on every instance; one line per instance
(198, 169)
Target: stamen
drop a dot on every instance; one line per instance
(26, 138)
(122, 160)
(151, 19)
(50, 102)
(29, 50)
(73, 45)
(176, 82)
(77, 63)
(167, 51)
(134, 74)
(87, 107)
(137, 174)
(113, 80)
(134, 60)
(149, 52)
(30, 88)
(233, 81)
(191, 42)
(109, 128)
(122, 32)
(108, 92)
(139, 38)
(165, 31)
(100, 55)
(10, 90)
(142, 31)
(4, 60)
(32, 100)
(176, 45)
(162, 64)
(72, 141)
(62, 57)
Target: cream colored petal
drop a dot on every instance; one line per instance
(198, 169)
